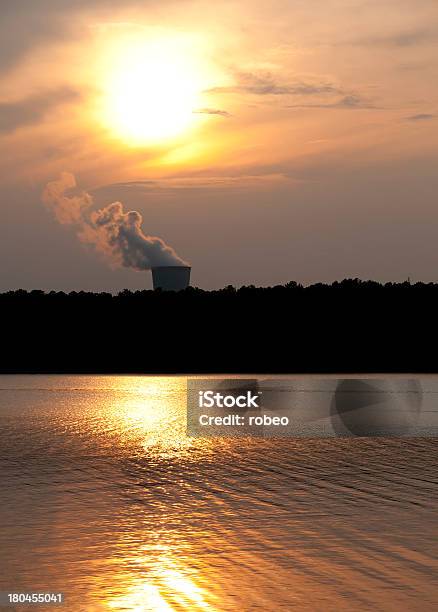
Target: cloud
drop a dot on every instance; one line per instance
(219, 179)
(312, 94)
(420, 117)
(213, 111)
(351, 101)
(408, 38)
(265, 84)
(30, 110)
(25, 24)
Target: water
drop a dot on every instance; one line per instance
(104, 498)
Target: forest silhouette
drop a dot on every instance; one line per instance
(348, 326)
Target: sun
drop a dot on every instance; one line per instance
(152, 91)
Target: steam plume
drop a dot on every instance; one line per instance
(116, 234)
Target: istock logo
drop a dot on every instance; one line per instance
(210, 399)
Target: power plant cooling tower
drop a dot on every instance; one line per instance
(171, 278)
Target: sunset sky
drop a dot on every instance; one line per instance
(263, 141)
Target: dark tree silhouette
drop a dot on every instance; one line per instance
(349, 326)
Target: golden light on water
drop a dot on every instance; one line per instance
(145, 597)
(169, 588)
(153, 88)
(147, 417)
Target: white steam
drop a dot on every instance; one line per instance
(116, 234)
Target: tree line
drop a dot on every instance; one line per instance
(347, 326)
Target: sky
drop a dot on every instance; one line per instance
(261, 142)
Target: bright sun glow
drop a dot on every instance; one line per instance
(153, 91)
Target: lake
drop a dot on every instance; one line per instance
(105, 499)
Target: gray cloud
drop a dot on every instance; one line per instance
(265, 84)
(408, 38)
(351, 101)
(25, 24)
(421, 117)
(212, 111)
(32, 109)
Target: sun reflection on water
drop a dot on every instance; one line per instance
(146, 413)
(150, 415)
(147, 420)
(168, 588)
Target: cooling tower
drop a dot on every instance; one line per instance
(171, 278)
